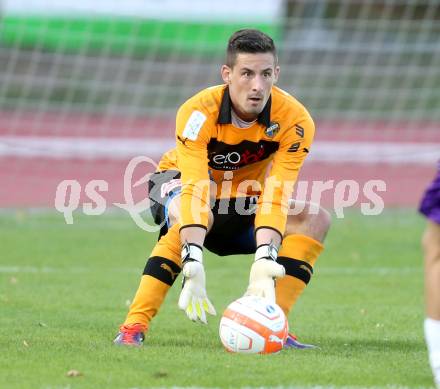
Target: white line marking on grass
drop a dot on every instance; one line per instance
(85, 148)
(43, 269)
(291, 387)
(269, 387)
(332, 271)
(381, 271)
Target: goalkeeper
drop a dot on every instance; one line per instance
(227, 187)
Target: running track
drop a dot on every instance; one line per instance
(38, 152)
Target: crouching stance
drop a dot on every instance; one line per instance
(227, 187)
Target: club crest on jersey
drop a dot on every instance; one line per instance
(272, 130)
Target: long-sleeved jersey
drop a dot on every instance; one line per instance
(210, 148)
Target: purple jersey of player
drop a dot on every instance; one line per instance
(430, 204)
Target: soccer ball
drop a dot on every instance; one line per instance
(253, 325)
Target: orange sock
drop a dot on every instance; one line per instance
(160, 272)
(298, 255)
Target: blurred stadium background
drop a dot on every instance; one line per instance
(85, 86)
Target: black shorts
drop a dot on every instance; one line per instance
(232, 232)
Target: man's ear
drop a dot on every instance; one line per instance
(276, 74)
(226, 73)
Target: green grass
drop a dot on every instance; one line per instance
(64, 289)
(123, 35)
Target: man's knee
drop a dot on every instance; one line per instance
(313, 221)
(324, 219)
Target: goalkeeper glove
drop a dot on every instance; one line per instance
(264, 270)
(193, 298)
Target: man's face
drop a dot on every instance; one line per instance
(250, 82)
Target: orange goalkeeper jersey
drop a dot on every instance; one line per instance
(210, 147)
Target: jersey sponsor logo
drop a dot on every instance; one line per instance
(194, 125)
(272, 130)
(223, 156)
(294, 148)
(233, 158)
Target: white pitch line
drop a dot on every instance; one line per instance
(85, 148)
(117, 149)
(269, 387)
(330, 271)
(379, 271)
(292, 387)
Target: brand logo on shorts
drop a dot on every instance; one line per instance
(169, 186)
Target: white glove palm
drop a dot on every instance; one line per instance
(193, 298)
(263, 273)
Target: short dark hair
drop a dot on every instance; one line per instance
(248, 41)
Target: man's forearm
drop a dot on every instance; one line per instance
(195, 235)
(267, 236)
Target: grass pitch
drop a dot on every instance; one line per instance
(64, 290)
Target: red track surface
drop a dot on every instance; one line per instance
(118, 127)
(32, 182)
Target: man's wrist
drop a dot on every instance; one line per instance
(266, 251)
(191, 252)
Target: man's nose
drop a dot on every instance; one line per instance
(258, 84)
